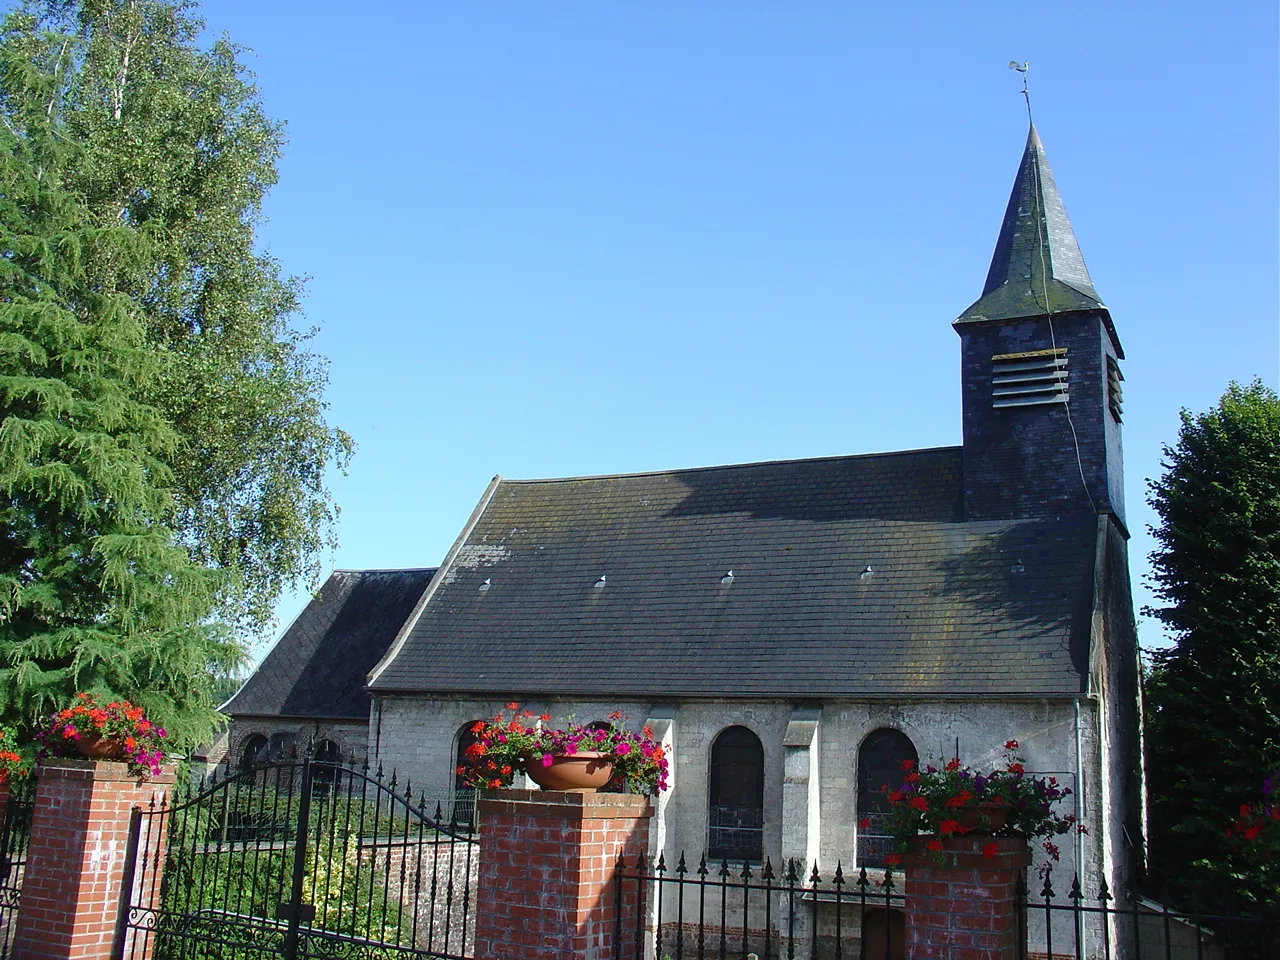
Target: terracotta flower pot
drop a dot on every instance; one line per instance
(971, 817)
(583, 772)
(95, 747)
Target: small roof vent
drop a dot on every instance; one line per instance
(601, 582)
(486, 585)
(866, 572)
(727, 578)
(1018, 567)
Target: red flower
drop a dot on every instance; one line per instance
(990, 850)
(1016, 768)
(1253, 832)
(953, 765)
(477, 727)
(513, 706)
(912, 777)
(947, 827)
(864, 823)
(495, 783)
(892, 860)
(908, 764)
(920, 803)
(460, 771)
(895, 796)
(1011, 744)
(935, 845)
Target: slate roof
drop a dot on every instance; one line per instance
(319, 665)
(853, 577)
(1036, 253)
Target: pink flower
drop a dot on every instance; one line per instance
(622, 749)
(547, 760)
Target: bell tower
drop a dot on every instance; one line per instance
(1040, 369)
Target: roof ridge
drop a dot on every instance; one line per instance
(381, 569)
(733, 466)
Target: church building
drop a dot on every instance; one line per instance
(794, 630)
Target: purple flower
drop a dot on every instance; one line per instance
(622, 749)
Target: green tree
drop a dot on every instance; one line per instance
(164, 448)
(96, 593)
(1213, 723)
(175, 143)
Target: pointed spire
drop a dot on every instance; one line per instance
(1036, 254)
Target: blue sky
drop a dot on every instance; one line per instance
(569, 238)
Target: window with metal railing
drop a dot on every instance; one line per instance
(735, 823)
(880, 771)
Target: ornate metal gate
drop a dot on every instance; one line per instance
(299, 859)
(14, 830)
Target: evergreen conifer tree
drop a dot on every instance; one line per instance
(96, 593)
(173, 141)
(164, 449)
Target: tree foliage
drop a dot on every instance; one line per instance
(163, 448)
(175, 143)
(1213, 726)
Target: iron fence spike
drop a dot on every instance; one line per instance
(746, 870)
(791, 870)
(724, 869)
(813, 874)
(702, 865)
(863, 882)
(661, 866)
(767, 872)
(1105, 894)
(839, 877)
(1076, 893)
(681, 869)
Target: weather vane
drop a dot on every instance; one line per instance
(1022, 68)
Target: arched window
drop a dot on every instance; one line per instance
(464, 797)
(253, 751)
(280, 746)
(736, 815)
(325, 763)
(880, 760)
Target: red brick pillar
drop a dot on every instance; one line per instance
(965, 908)
(4, 799)
(546, 888)
(75, 857)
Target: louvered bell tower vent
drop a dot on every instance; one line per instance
(1029, 379)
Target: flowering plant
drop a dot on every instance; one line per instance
(118, 723)
(13, 766)
(508, 743)
(956, 800)
(1258, 825)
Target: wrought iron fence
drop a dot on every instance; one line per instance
(297, 859)
(1105, 927)
(721, 911)
(14, 831)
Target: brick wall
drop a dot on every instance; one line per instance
(547, 862)
(965, 908)
(75, 857)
